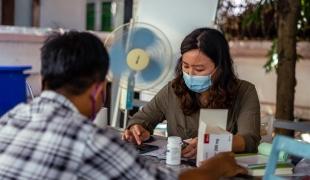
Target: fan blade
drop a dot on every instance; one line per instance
(151, 73)
(151, 41)
(142, 38)
(118, 59)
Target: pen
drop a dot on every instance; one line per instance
(184, 144)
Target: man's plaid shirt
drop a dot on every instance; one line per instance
(49, 139)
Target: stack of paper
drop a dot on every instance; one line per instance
(256, 164)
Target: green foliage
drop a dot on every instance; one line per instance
(254, 17)
(258, 19)
(272, 62)
(303, 23)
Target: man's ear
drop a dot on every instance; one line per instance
(96, 89)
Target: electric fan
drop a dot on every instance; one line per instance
(140, 59)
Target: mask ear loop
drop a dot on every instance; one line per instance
(104, 94)
(93, 103)
(213, 72)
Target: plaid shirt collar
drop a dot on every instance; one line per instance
(59, 98)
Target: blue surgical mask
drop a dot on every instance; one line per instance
(197, 84)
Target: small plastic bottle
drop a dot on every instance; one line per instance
(174, 150)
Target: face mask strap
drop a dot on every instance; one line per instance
(213, 71)
(93, 102)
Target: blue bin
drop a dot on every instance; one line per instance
(13, 87)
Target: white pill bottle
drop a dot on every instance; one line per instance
(173, 156)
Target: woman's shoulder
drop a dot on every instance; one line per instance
(169, 84)
(245, 86)
(167, 89)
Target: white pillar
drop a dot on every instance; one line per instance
(98, 13)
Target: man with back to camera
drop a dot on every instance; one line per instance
(53, 136)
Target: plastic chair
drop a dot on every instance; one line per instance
(289, 145)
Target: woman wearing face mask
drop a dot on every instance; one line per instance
(205, 78)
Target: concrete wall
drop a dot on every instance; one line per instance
(24, 49)
(250, 57)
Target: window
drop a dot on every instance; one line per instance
(90, 16)
(99, 15)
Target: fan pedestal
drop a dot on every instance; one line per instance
(124, 100)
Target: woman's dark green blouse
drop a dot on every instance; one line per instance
(243, 116)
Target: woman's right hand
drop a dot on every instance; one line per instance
(136, 134)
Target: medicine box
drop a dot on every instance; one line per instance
(215, 140)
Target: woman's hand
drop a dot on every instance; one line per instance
(238, 143)
(136, 134)
(190, 150)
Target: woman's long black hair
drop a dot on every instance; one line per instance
(221, 94)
